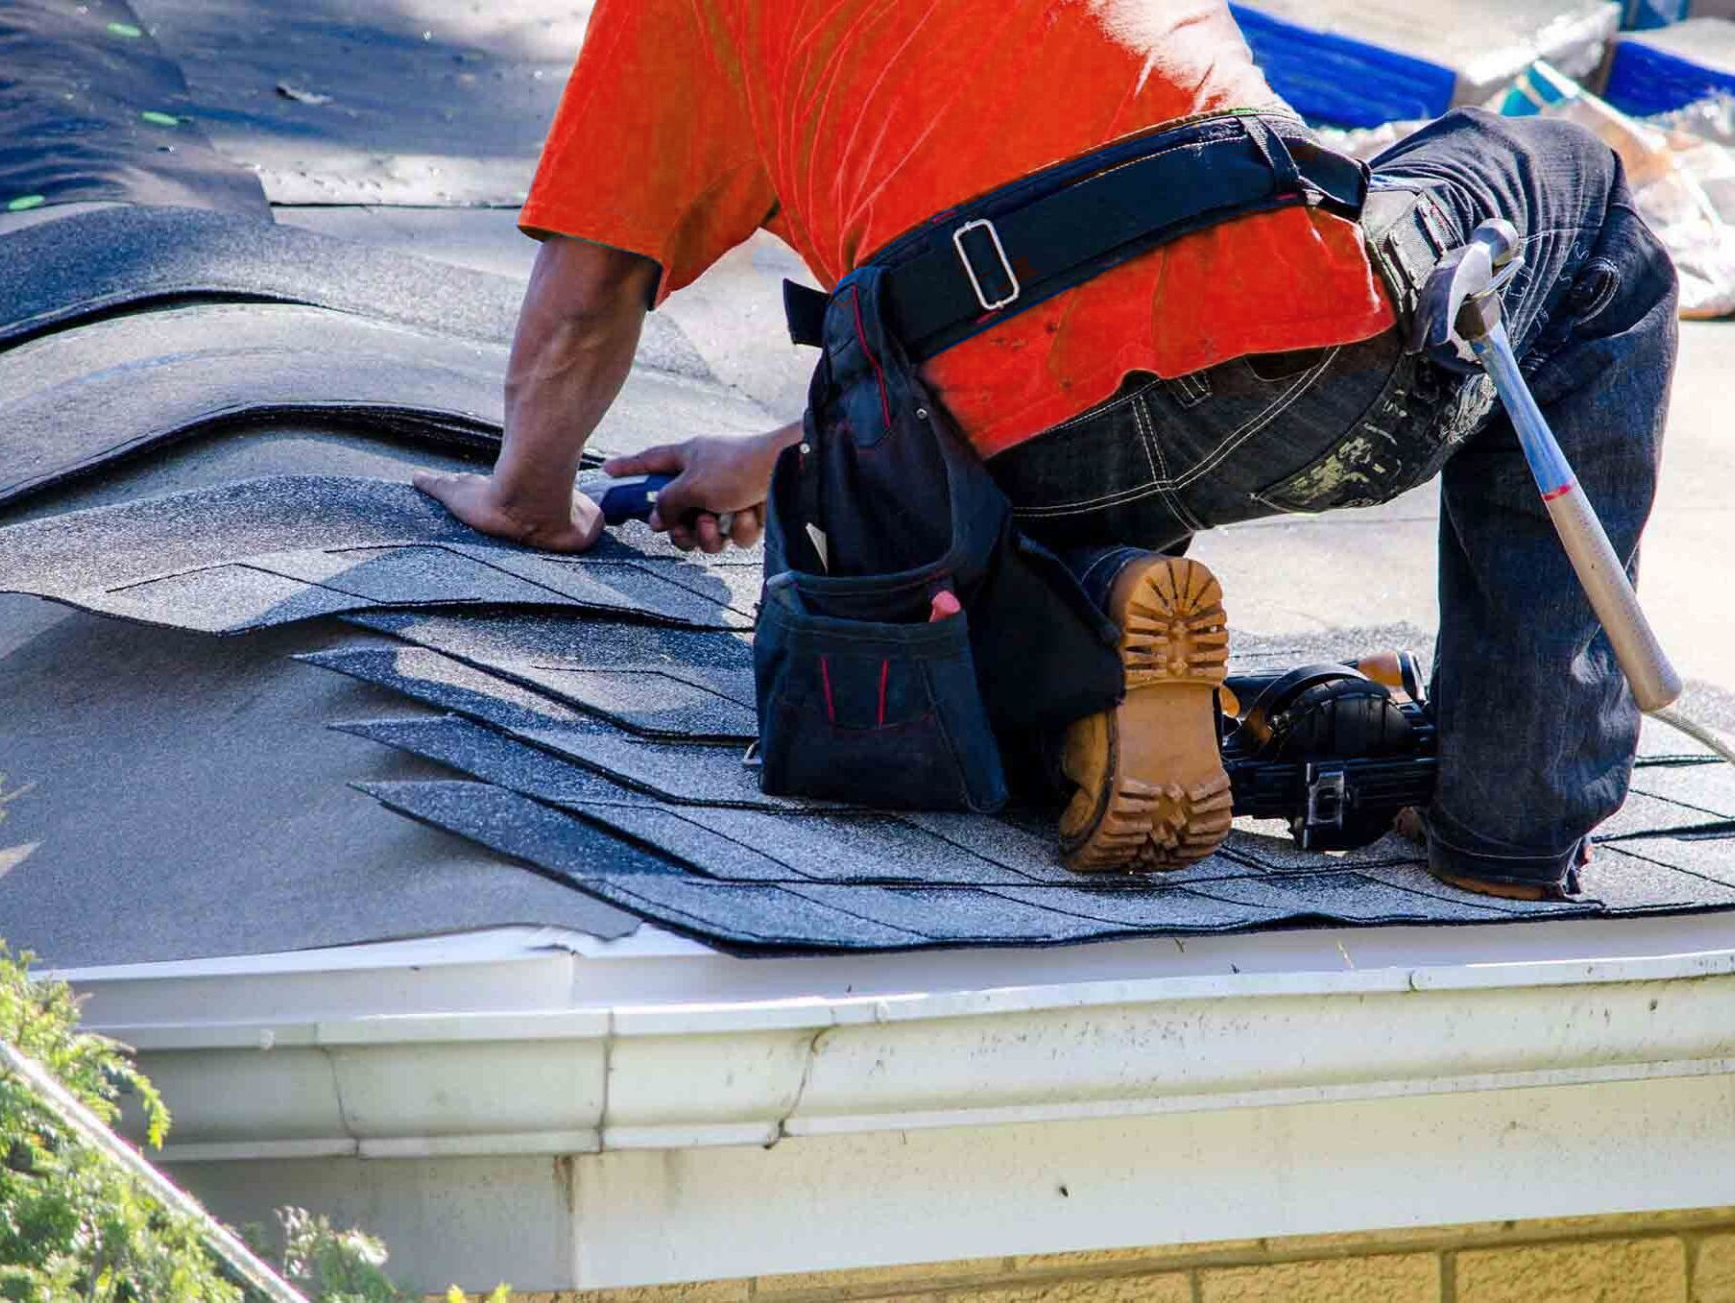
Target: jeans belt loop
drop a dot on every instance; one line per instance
(1287, 175)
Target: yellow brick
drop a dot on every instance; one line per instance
(1155, 1255)
(1714, 1270)
(1167, 1288)
(1609, 1271)
(877, 1281)
(1385, 1278)
(710, 1291)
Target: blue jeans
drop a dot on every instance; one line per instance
(1537, 728)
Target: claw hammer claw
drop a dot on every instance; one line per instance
(1458, 324)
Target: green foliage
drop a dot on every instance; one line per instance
(71, 1225)
(75, 1227)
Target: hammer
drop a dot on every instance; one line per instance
(1458, 322)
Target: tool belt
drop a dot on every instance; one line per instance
(906, 629)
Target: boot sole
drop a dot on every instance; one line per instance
(1161, 797)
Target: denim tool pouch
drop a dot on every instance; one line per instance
(905, 628)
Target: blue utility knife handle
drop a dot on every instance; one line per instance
(631, 497)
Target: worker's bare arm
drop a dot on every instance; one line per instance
(712, 476)
(577, 332)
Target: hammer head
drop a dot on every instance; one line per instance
(1460, 300)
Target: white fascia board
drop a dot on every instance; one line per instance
(700, 1074)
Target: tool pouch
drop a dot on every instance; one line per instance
(906, 631)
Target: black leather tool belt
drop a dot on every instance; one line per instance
(908, 635)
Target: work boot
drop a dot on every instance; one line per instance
(1152, 790)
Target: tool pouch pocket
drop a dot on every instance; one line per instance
(903, 626)
(887, 714)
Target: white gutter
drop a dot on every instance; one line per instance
(684, 1073)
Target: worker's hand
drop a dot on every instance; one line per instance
(567, 523)
(712, 476)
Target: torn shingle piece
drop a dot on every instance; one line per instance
(597, 863)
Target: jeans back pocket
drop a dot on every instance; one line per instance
(882, 714)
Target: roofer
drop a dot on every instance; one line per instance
(1253, 362)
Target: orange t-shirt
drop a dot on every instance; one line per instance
(840, 124)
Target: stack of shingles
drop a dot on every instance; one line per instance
(603, 736)
(599, 707)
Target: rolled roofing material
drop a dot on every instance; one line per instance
(90, 264)
(76, 400)
(92, 110)
(84, 397)
(1361, 63)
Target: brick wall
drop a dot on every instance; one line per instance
(1682, 1257)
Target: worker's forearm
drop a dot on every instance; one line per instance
(573, 349)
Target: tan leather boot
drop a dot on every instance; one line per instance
(1152, 791)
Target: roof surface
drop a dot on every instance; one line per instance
(209, 417)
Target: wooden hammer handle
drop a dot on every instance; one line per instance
(1654, 682)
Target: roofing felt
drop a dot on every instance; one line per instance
(182, 798)
(93, 110)
(79, 399)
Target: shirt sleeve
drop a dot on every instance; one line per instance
(651, 149)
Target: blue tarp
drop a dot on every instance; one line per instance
(1660, 72)
(1349, 83)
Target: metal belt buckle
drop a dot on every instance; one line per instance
(970, 270)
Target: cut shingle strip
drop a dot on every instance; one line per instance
(751, 845)
(681, 773)
(503, 638)
(657, 681)
(368, 542)
(560, 845)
